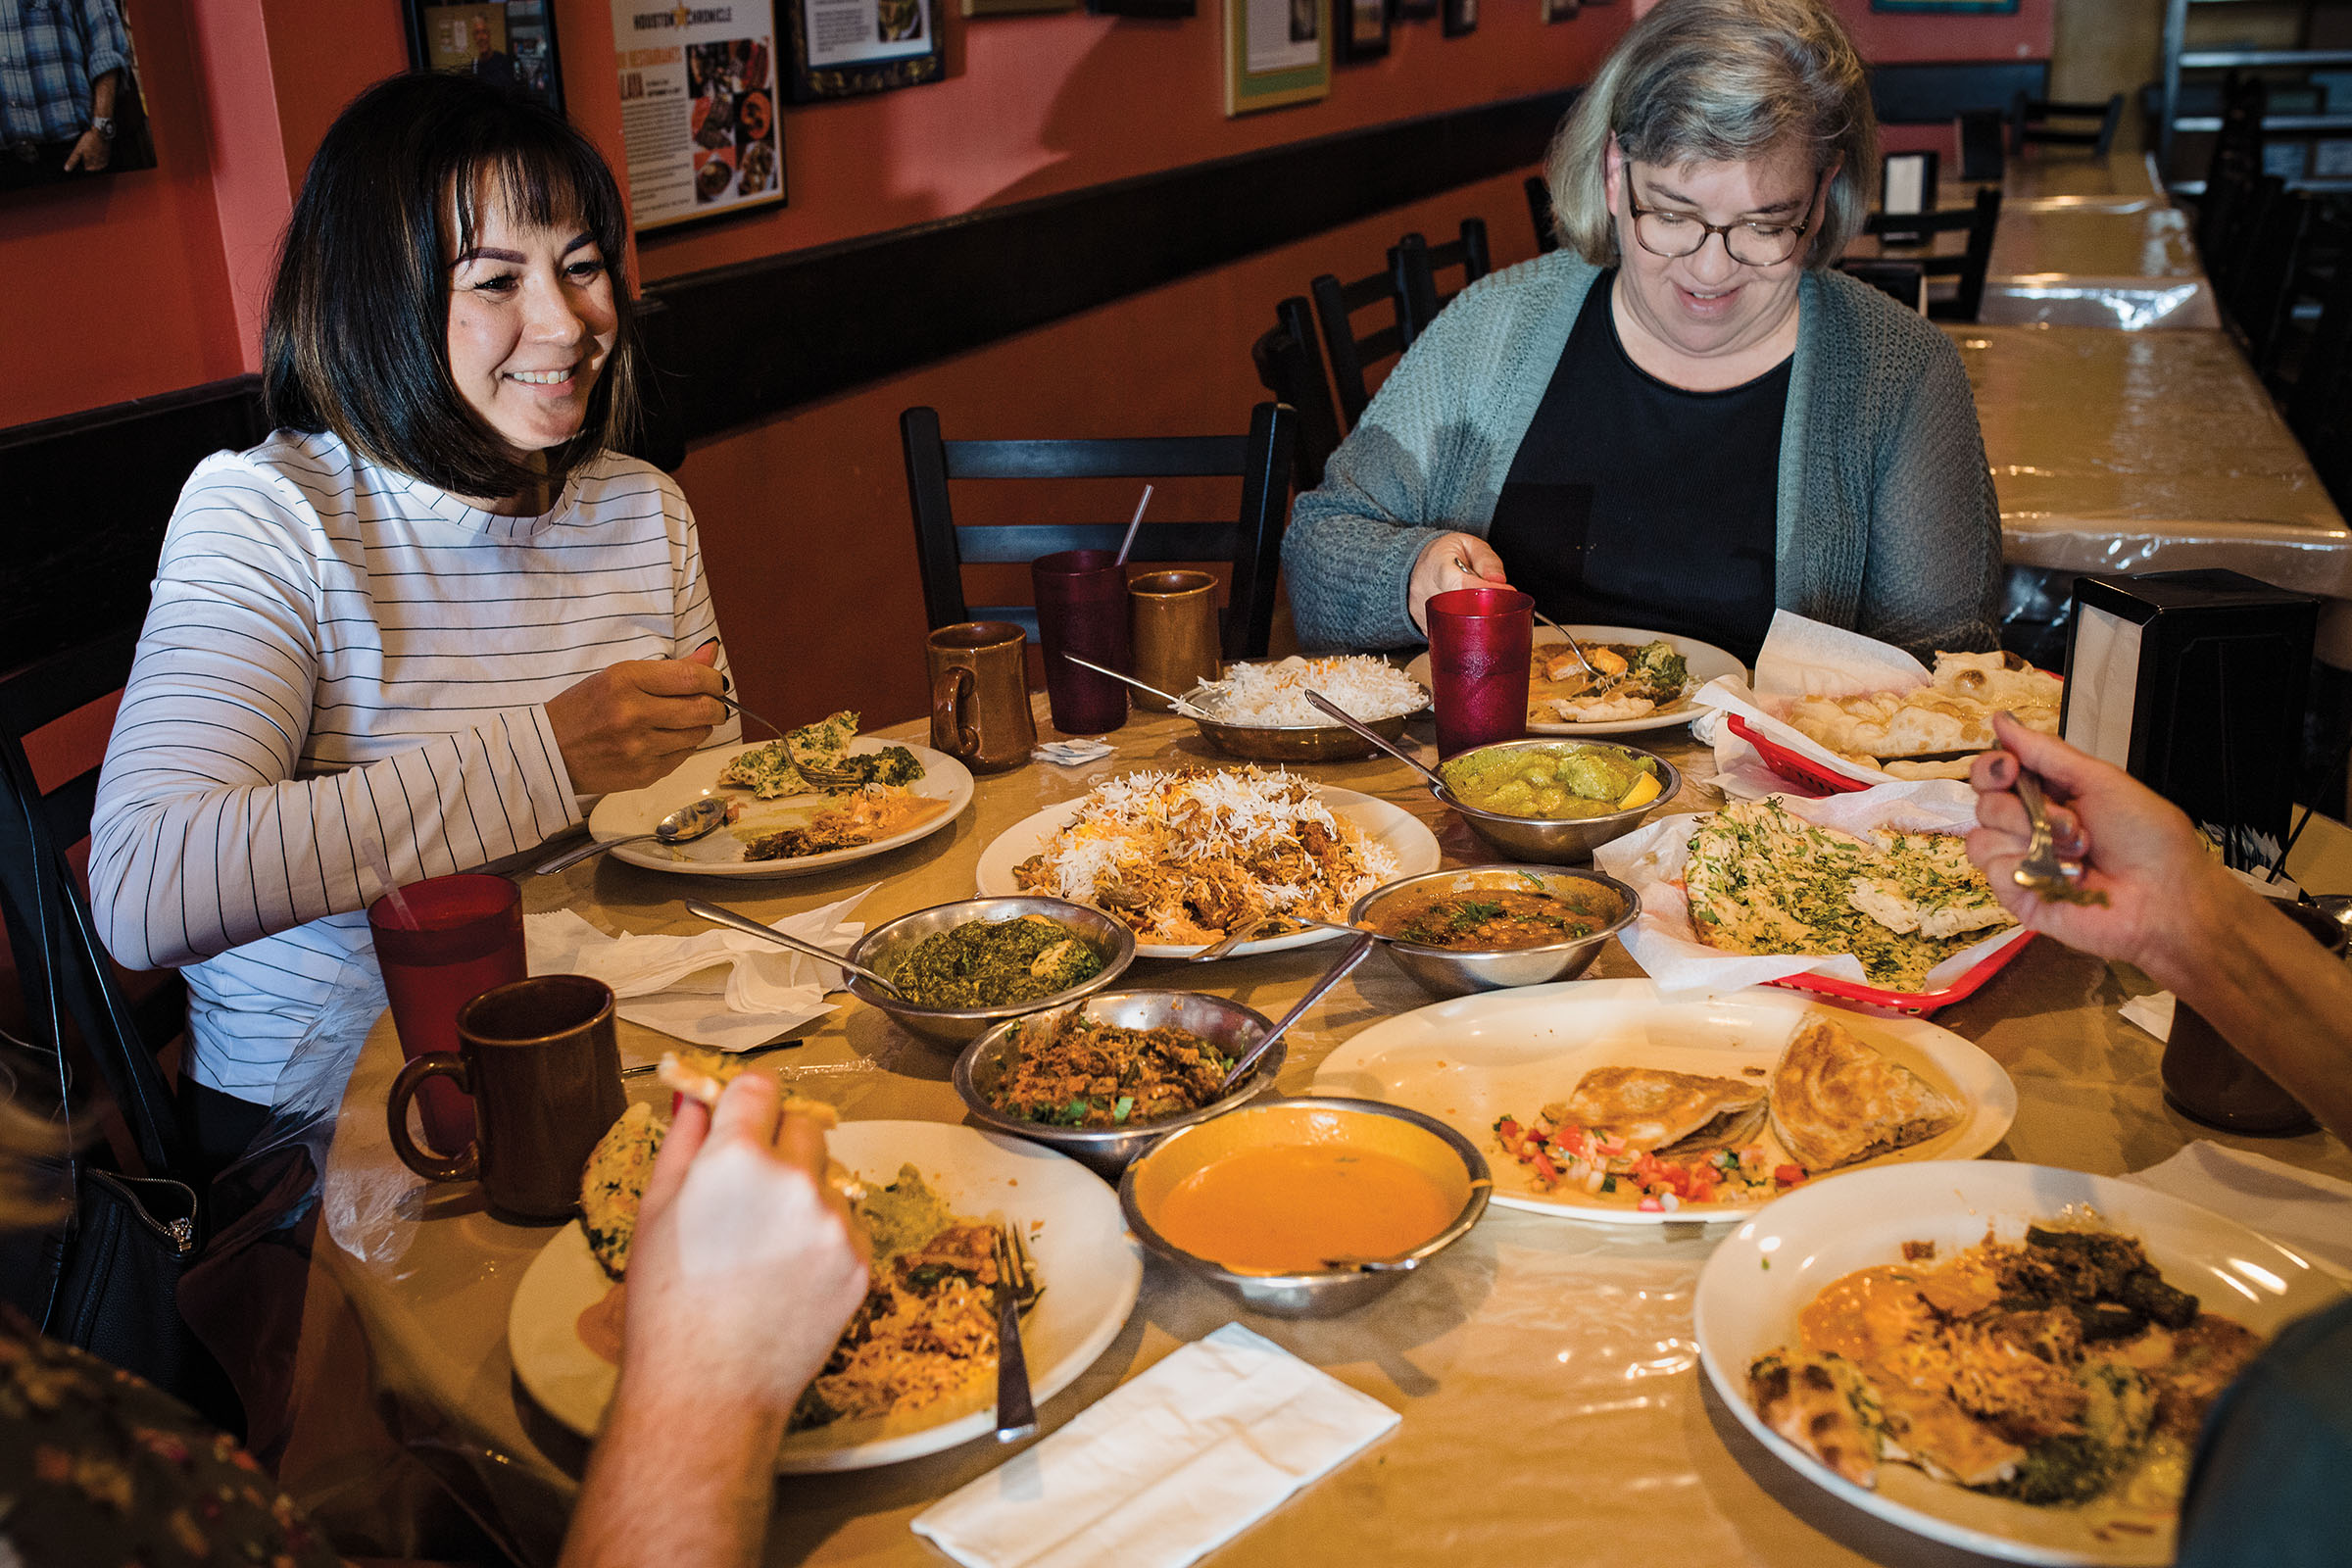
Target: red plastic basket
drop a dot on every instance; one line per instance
(1801, 771)
(1917, 1003)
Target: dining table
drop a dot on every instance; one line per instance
(1545, 1370)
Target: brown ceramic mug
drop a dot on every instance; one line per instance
(1173, 628)
(540, 1062)
(2207, 1078)
(980, 693)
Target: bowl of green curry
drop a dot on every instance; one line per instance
(963, 968)
(1554, 802)
(1488, 927)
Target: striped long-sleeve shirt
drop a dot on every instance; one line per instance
(336, 650)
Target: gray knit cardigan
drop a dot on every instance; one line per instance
(1885, 515)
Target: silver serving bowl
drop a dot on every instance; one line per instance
(1228, 1025)
(886, 946)
(1459, 971)
(1558, 840)
(1319, 1119)
(1293, 743)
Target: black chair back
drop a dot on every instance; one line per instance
(1350, 356)
(1984, 133)
(1967, 269)
(1901, 281)
(2327, 364)
(1539, 214)
(1421, 262)
(2233, 174)
(2030, 124)
(1252, 542)
(2261, 281)
(1289, 365)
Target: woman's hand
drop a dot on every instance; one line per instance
(627, 725)
(1448, 561)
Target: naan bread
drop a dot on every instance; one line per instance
(1649, 1107)
(2001, 681)
(1952, 712)
(1836, 1099)
(1824, 1405)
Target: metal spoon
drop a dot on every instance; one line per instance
(1188, 709)
(687, 823)
(2043, 872)
(1574, 645)
(1235, 938)
(753, 928)
(1383, 742)
(1241, 1069)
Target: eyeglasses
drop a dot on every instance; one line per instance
(1678, 235)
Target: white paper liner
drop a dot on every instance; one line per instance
(1801, 657)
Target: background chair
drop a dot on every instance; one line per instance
(1421, 263)
(1982, 135)
(1539, 214)
(1289, 365)
(1904, 283)
(1252, 542)
(1336, 305)
(2030, 124)
(2260, 292)
(1966, 270)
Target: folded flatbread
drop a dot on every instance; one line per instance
(1836, 1099)
(1952, 712)
(1651, 1108)
(2001, 681)
(1824, 1405)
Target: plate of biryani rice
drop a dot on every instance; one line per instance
(916, 1370)
(1188, 855)
(1260, 712)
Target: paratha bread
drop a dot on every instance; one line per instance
(1836, 1099)
(1651, 1108)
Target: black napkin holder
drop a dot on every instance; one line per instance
(2193, 683)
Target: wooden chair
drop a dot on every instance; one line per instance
(1538, 213)
(1421, 262)
(1983, 134)
(2233, 174)
(1904, 281)
(1289, 365)
(2030, 124)
(2261, 290)
(2327, 362)
(1967, 269)
(1252, 542)
(1350, 356)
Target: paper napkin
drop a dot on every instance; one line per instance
(717, 988)
(1072, 754)
(2302, 1209)
(1800, 658)
(1167, 1468)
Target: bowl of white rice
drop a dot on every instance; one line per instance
(1261, 711)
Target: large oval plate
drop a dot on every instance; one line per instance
(628, 811)
(1088, 1268)
(1509, 1053)
(1706, 661)
(1750, 1290)
(1406, 836)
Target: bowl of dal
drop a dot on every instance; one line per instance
(1306, 1207)
(1554, 802)
(1488, 927)
(973, 963)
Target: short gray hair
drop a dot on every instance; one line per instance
(1721, 81)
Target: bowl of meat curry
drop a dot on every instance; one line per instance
(1488, 927)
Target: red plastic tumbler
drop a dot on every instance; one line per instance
(1082, 608)
(467, 938)
(1479, 642)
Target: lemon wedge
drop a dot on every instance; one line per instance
(1641, 794)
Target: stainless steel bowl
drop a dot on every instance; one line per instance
(884, 948)
(1228, 1025)
(1456, 972)
(1296, 742)
(1308, 1119)
(1558, 841)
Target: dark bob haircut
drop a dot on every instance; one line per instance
(358, 334)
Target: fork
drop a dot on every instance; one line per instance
(729, 701)
(1574, 645)
(1016, 1408)
(2043, 872)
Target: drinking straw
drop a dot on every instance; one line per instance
(1128, 543)
(402, 914)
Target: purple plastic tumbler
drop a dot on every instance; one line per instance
(1479, 642)
(1082, 608)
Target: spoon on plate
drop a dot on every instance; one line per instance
(1241, 1071)
(753, 928)
(691, 821)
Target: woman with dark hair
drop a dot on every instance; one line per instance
(429, 613)
(1687, 418)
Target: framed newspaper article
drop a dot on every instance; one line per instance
(698, 109)
(841, 48)
(1277, 52)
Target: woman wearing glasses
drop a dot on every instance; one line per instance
(1683, 419)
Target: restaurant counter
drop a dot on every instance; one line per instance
(1545, 1370)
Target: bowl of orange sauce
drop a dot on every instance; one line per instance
(1309, 1206)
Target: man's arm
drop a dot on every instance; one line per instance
(96, 148)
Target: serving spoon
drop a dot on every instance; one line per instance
(691, 821)
(753, 928)
(1188, 709)
(1241, 1069)
(1435, 779)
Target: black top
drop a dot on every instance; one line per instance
(1631, 502)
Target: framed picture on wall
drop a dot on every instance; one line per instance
(510, 44)
(1276, 52)
(1558, 10)
(1147, 10)
(1461, 16)
(1014, 8)
(1965, 8)
(86, 116)
(1363, 29)
(698, 110)
(842, 48)
(1414, 9)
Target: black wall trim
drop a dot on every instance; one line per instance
(744, 342)
(1933, 92)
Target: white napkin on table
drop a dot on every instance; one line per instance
(1072, 754)
(1167, 1467)
(717, 988)
(2303, 1209)
(2152, 1013)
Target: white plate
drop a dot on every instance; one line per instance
(1413, 843)
(1750, 1290)
(1088, 1268)
(1706, 661)
(1509, 1053)
(628, 811)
